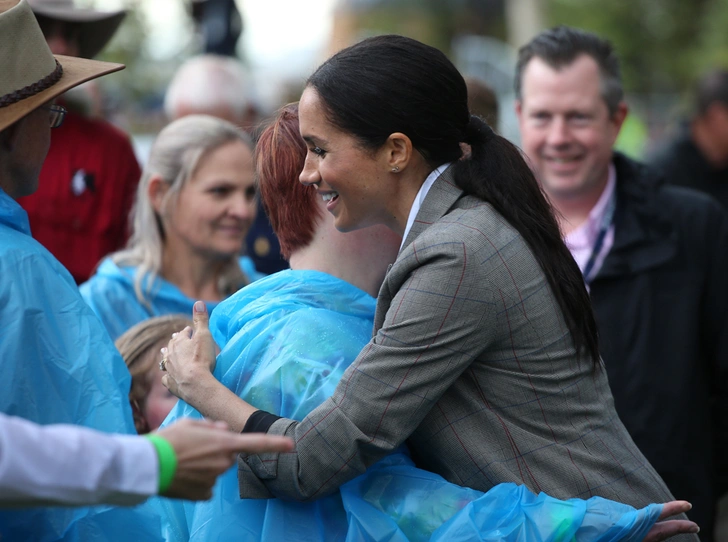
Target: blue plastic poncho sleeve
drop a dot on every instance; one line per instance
(418, 505)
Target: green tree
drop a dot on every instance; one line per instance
(663, 45)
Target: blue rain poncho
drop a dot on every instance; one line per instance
(110, 293)
(286, 341)
(58, 365)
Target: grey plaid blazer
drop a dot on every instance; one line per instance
(473, 366)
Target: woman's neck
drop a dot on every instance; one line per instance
(360, 257)
(195, 275)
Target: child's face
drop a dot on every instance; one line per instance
(159, 401)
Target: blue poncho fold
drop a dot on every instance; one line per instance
(285, 342)
(110, 293)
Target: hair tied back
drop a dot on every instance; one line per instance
(478, 131)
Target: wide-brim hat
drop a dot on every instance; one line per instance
(30, 75)
(96, 28)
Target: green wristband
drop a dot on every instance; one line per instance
(167, 461)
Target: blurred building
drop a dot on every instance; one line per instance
(479, 36)
(435, 22)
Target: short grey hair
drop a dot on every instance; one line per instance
(207, 82)
(561, 45)
(174, 157)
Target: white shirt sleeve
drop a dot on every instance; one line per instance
(67, 464)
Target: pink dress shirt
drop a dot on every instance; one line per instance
(581, 241)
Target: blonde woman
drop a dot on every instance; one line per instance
(194, 205)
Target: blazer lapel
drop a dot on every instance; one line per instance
(439, 200)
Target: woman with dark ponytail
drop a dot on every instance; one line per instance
(485, 356)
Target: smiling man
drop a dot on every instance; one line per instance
(655, 258)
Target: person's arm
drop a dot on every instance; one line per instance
(71, 465)
(384, 394)
(661, 530)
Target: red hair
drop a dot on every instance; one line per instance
(290, 206)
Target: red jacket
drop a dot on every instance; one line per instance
(87, 186)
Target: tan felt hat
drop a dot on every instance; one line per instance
(95, 27)
(30, 75)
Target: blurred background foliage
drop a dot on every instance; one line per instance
(663, 45)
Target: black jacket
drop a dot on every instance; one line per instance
(661, 302)
(683, 164)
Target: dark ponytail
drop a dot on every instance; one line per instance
(390, 84)
(496, 172)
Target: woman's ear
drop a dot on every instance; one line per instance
(156, 192)
(398, 148)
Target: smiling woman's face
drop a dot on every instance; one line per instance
(353, 181)
(217, 205)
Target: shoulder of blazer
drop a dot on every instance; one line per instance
(441, 197)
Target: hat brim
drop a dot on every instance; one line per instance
(75, 71)
(96, 27)
(77, 15)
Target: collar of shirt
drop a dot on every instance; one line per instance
(581, 241)
(584, 237)
(12, 214)
(420, 197)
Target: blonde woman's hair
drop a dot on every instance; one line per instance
(134, 344)
(174, 157)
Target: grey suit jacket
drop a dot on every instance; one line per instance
(473, 366)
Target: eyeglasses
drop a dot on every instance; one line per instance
(56, 114)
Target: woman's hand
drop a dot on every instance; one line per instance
(190, 358)
(666, 528)
(189, 361)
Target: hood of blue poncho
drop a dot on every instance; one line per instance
(286, 291)
(158, 289)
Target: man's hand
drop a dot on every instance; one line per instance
(207, 449)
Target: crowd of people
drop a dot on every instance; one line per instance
(471, 342)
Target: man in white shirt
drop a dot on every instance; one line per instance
(71, 465)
